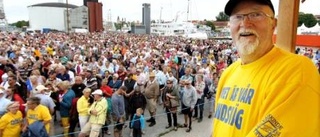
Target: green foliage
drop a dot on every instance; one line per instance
(20, 24)
(210, 24)
(118, 25)
(222, 17)
(307, 19)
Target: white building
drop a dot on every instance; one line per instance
(53, 16)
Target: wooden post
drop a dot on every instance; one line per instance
(287, 24)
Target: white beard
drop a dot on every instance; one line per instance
(246, 46)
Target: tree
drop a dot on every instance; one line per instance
(210, 24)
(118, 26)
(307, 19)
(20, 24)
(222, 17)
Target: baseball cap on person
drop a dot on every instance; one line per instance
(233, 3)
(40, 88)
(97, 92)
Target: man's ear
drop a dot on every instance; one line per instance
(274, 23)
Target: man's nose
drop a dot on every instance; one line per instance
(245, 21)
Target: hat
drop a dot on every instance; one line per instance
(97, 92)
(233, 3)
(170, 79)
(151, 74)
(40, 88)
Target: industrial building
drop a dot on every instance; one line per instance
(48, 16)
(146, 17)
(55, 16)
(95, 16)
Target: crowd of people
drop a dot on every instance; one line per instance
(97, 80)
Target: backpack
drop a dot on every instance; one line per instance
(36, 129)
(73, 110)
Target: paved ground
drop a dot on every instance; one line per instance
(202, 129)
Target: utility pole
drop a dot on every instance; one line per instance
(67, 16)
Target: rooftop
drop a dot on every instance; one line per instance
(54, 4)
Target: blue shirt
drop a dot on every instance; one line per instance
(4, 102)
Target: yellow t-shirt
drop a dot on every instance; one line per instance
(11, 124)
(49, 50)
(277, 95)
(83, 106)
(39, 113)
(37, 53)
(135, 77)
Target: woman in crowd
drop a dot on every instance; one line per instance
(11, 122)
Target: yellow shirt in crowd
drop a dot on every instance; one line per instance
(37, 53)
(100, 106)
(83, 106)
(39, 113)
(277, 95)
(11, 124)
(49, 50)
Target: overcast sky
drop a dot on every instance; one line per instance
(132, 9)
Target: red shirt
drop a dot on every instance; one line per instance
(106, 90)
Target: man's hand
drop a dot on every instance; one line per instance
(191, 109)
(94, 112)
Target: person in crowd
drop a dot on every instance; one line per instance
(45, 100)
(152, 93)
(4, 102)
(78, 86)
(171, 99)
(138, 123)
(16, 87)
(37, 112)
(136, 100)
(65, 99)
(97, 112)
(200, 86)
(11, 122)
(115, 83)
(91, 80)
(129, 84)
(78, 67)
(269, 88)
(107, 92)
(211, 95)
(189, 100)
(161, 79)
(62, 73)
(83, 106)
(118, 110)
(15, 97)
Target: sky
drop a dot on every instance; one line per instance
(131, 10)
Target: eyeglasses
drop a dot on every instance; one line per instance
(169, 82)
(253, 16)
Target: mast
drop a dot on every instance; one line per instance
(188, 10)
